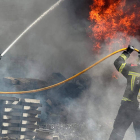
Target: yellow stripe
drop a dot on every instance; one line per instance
(121, 67)
(132, 82)
(126, 99)
(123, 56)
(133, 73)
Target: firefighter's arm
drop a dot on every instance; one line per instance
(120, 61)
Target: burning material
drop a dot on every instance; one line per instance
(113, 21)
(115, 75)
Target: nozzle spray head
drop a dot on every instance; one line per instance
(0, 56)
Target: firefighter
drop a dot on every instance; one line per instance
(129, 110)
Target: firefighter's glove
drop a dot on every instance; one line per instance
(130, 49)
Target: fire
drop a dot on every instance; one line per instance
(115, 75)
(113, 21)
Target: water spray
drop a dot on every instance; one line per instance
(29, 27)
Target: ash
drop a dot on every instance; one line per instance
(73, 131)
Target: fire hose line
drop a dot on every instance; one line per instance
(29, 27)
(76, 75)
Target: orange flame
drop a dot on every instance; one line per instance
(115, 75)
(111, 17)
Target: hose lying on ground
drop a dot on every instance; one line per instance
(76, 75)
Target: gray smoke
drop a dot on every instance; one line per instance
(60, 43)
(55, 44)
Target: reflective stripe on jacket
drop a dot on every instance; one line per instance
(131, 73)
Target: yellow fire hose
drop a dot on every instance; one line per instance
(76, 75)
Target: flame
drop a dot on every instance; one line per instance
(113, 21)
(115, 75)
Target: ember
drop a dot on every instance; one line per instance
(115, 75)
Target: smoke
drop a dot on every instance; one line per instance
(98, 106)
(60, 43)
(57, 43)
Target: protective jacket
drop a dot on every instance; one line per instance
(132, 74)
